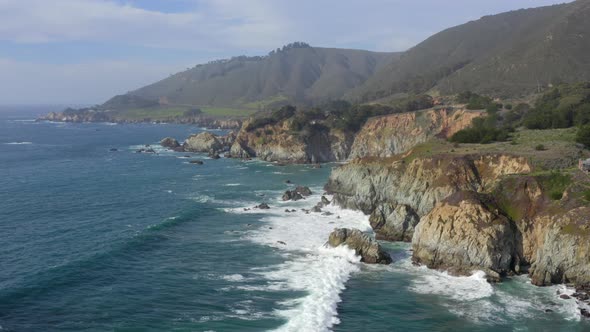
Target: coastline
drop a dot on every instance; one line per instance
(257, 282)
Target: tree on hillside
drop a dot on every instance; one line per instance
(583, 135)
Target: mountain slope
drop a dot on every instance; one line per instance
(508, 54)
(297, 73)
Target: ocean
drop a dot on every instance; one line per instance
(100, 240)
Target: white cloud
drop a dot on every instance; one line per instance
(217, 25)
(84, 83)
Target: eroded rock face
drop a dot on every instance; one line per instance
(394, 222)
(278, 143)
(238, 150)
(203, 142)
(515, 228)
(364, 246)
(564, 256)
(414, 186)
(389, 135)
(462, 234)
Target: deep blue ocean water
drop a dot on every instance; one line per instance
(100, 240)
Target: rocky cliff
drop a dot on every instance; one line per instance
(277, 142)
(389, 135)
(538, 224)
(382, 136)
(466, 212)
(397, 192)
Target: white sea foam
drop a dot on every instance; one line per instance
(234, 277)
(232, 184)
(309, 267)
(458, 288)
(474, 299)
(201, 198)
(18, 143)
(158, 149)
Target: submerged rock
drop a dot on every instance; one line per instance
(363, 245)
(263, 206)
(197, 162)
(148, 150)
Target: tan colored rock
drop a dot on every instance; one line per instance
(203, 142)
(418, 185)
(389, 135)
(462, 234)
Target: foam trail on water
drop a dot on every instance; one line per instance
(310, 267)
(18, 143)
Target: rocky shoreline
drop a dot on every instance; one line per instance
(462, 212)
(203, 121)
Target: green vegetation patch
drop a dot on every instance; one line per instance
(265, 103)
(339, 115)
(227, 111)
(152, 113)
(564, 106)
(554, 183)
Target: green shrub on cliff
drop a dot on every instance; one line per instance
(276, 116)
(555, 183)
(564, 106)
(583, 136)
(482, 131)
(474, 101)
(340, 115)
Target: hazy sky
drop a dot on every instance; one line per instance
(85, 51)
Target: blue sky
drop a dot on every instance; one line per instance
(85, 51)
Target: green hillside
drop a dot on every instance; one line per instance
(506, 55)
(509, 55)
(297, 73)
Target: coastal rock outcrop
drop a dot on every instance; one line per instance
(296, 194)
(381, 136)
(396, 192)
(363, 245)
(171, 143)
(278, 143)
(536, 224)
(203, 142)
(462, 234)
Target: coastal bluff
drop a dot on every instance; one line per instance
(381, 136)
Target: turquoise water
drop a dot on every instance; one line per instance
(94, 240)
